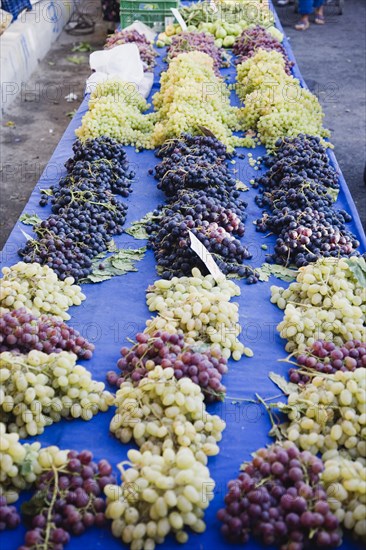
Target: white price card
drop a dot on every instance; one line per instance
(202, 252)
(179, 18)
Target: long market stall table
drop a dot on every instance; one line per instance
(115, 310)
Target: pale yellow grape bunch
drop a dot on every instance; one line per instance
(159, 495)
(19, 464)
(330, 414)
(120, 92)
(37, 288)
(276, 106)
(201, 308)
(50, 457)
(116, 110)
(165, 413)
(327, 302)
(345, 483)
(190, 96)
(38, 389)
(267, 70)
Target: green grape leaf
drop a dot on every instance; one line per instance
(99, 257)
(97, 276)
(30, 219)
(279, 271)
(233, 276)
(333, 193)
(122, 265)
(112, 247)
(119, 263)
(76, 59)
(286, 387)
(47, 192)
(358, 268)
(130, 254)
(29, 460)
(35, 505)
(82, 47)
(241, 186)
(138, 228)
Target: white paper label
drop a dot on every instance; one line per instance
(179, 18)
(206, 257)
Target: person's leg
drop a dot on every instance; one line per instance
(305, 8)
(319, 14)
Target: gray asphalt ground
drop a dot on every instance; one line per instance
(331, 58)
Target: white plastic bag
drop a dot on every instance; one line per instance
(121, 62)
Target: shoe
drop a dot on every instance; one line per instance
(302, 25)
(319, 20)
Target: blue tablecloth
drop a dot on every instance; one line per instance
(115, 310)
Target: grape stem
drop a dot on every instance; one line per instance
(50, 509)
(274, 421)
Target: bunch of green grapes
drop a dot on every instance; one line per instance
(192, 96)
(19, 464)
(345, 483)
(201, 308)
(165, 413)
(327, 302)
(159, 495)
(37, 288)
(329, 413)
(120, 92)
(116, 110)
(276, 106)
(267, 70)
(38, 389)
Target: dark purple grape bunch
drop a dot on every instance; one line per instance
(21, 332)
(305, 235)
(327, 358)
(170, 351)
(278, 499)
(175, 257)
(295, 192)
(255, 38)
(301, 157)
(194, 145)
(198, 41)
(298, 194)
(97, 149)
(9, 517)
(203, 198)
(197, 166)
(67, 502)
(86, 213)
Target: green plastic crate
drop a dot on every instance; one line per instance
(152, 13)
